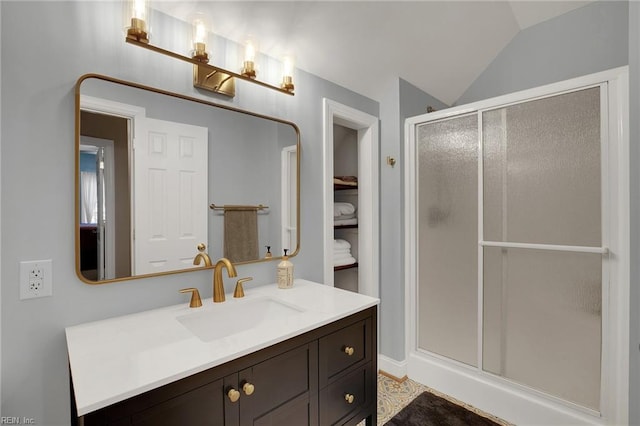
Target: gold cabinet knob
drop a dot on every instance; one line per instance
(349, 350)
(349, 398)
(233, 395)
(248, 388)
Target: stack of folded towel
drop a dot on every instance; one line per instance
(346, 180)
(342, 253)
(344, 214)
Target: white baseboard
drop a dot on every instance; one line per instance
(395, 368)
(493, 396)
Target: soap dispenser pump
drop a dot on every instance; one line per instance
(285, 272)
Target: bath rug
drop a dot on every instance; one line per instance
(428, 409)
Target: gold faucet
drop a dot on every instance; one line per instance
(202, 256)
(218, 284)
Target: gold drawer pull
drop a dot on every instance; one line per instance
(349, 350)
(349, 398)
(248, 388)
(233, 395)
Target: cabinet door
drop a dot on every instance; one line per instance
(284, 389)
(202, 406)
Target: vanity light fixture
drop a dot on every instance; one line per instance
(205, 75)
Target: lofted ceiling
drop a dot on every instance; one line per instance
(439, 46)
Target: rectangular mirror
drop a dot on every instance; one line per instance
(158, 173)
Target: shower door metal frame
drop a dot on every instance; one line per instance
(615, 250)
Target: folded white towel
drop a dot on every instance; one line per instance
(340, 252)
(338, 222)
(343, 208)
(341, 244)
(346, 261)
(345, 216)
(342, 257)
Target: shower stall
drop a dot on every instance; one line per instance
(516, 252)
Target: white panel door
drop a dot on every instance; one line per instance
(170, 192)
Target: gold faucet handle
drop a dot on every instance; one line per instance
(239, 291)
(196, 302)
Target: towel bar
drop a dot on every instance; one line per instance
(237, 207)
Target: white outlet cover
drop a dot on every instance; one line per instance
(44, 269)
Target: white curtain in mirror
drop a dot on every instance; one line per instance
(88, 197)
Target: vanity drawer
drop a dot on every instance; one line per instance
(343, 349)
(342, 398)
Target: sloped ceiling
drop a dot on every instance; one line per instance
(439, 46)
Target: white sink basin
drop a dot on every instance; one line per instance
(225, 319)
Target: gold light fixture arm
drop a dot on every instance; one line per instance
(207, 69)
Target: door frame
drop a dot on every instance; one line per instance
(289, 178)
(497, 396)
(110, 236)
(366, 126)
(133, 113)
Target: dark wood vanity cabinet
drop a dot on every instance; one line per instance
(326, 376)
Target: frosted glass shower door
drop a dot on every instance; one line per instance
(542, 238)
(447, 178)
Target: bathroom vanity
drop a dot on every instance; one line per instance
(305, 355)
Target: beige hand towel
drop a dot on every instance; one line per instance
(241, 235)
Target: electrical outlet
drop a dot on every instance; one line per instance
(36, 279)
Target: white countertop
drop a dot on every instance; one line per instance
(117, 358)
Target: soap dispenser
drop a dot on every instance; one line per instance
(285, 272)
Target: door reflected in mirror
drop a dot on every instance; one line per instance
(151, 165)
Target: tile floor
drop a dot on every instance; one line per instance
(394, 395)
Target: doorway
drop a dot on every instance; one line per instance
(339, 118)
(97, 208)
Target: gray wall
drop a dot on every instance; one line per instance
(634, 161)
(402, 100)
(589, 39)
(39, 71)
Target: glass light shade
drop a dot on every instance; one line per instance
(200, 38)
(288, 64)
(287, 73)
(137, 19)
(250, 50)
(248, 65)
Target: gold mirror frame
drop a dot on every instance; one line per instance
(186, 98)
